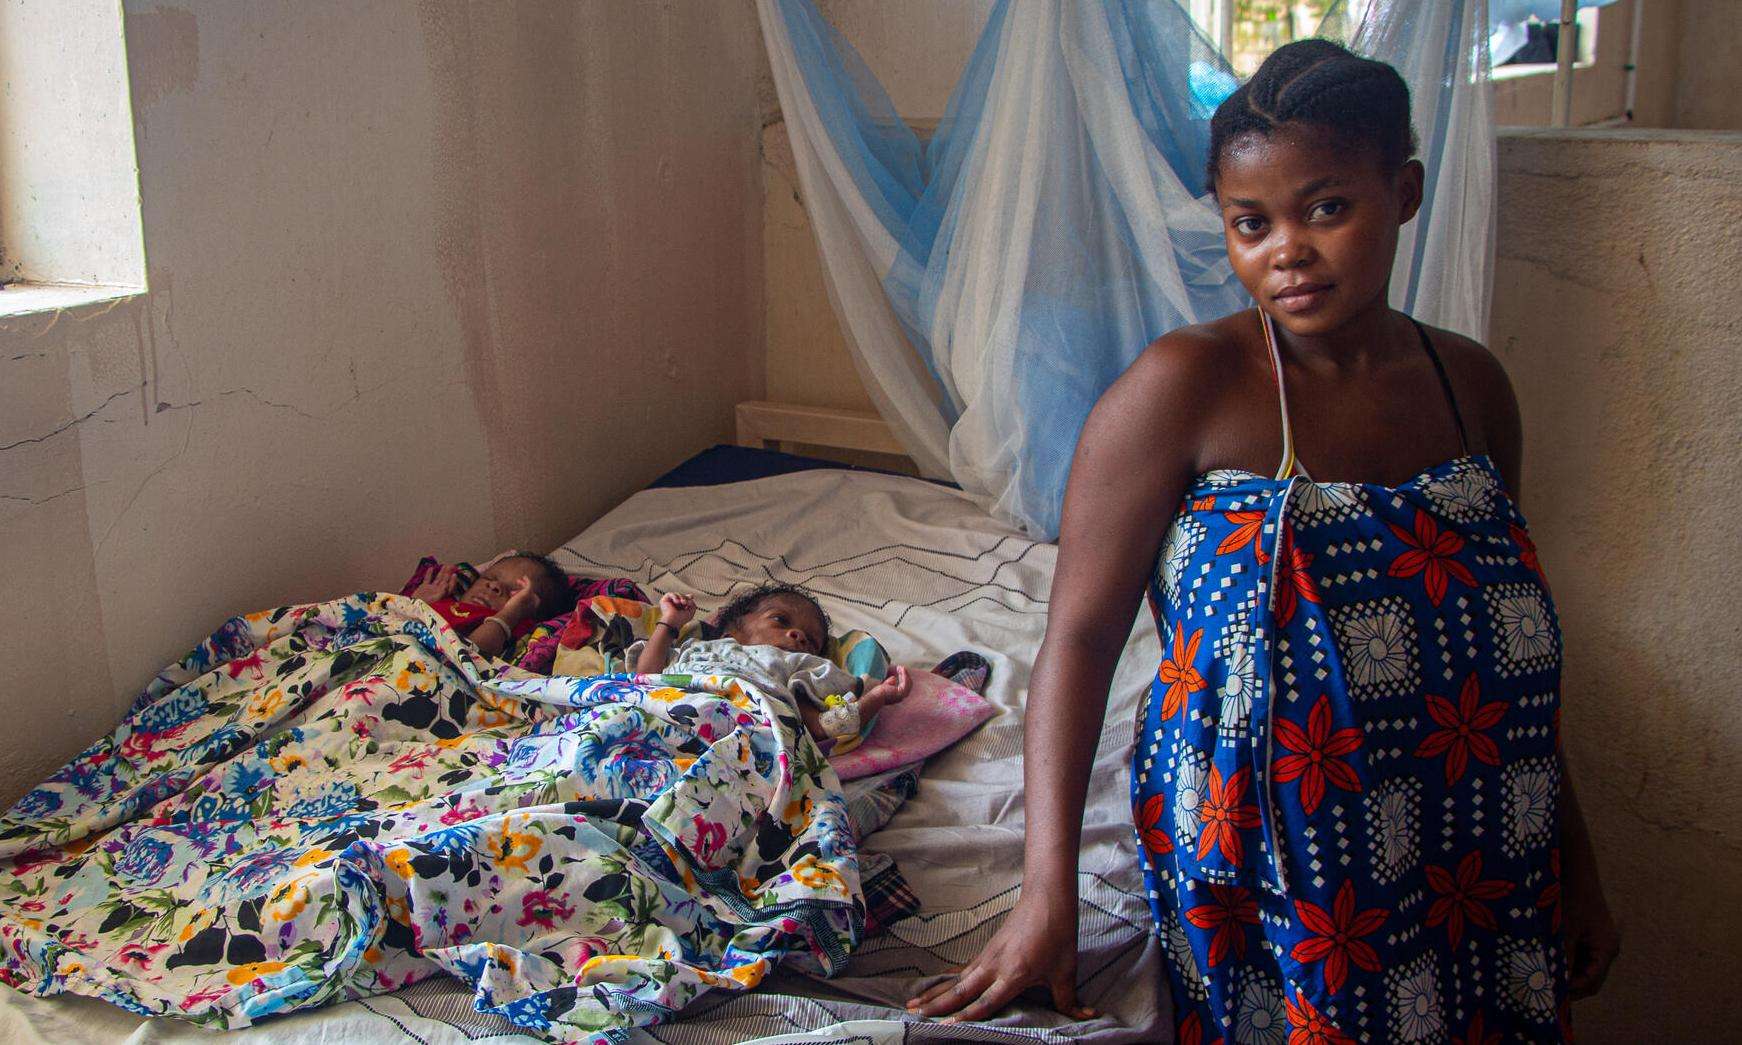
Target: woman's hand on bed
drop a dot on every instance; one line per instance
(1035, 947)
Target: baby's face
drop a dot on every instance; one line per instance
(783, 621)
(495, 584)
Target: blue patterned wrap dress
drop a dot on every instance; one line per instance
(1346, 778)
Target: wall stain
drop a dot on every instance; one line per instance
(163, 52)
(459, 191)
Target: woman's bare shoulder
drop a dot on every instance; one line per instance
(1194, 360)
(1156, 415)
(1484, 393)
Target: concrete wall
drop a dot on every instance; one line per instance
(425, 277)
(1709, 84)
(1625, 345)
(916, 48)
(804, 340)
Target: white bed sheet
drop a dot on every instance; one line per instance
(925, 570)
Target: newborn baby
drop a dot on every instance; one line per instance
(774, 637)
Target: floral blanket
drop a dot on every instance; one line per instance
(334, 800)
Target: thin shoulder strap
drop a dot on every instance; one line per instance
(1445, 383)
(1290, 464)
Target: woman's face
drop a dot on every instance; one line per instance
(1311, 224)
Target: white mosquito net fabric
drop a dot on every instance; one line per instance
(993, 281)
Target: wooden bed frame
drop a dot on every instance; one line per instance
(767, 425)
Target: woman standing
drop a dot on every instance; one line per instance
(1352, 812)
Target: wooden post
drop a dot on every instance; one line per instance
(1565, 52)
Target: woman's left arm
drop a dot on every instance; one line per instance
(1592, 938)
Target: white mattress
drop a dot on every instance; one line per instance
(922, 568)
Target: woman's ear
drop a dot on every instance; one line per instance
(1409, 186)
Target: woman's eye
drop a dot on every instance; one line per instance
(1327, 209)
(1248, 226)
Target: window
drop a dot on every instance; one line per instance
(69, 187)
(1602, 68)
(1604, 77)
(1248, 30)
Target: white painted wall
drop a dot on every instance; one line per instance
(425, 277)
(69, 201)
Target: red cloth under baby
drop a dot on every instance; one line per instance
(465, 616)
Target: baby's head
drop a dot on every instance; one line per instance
(496, 584)
(782, 615)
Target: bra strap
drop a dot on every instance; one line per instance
(1290, 464)
(1445, 383)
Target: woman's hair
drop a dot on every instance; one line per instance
(747, 603)
(1363, 102)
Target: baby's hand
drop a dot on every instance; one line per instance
(523, 603)
(441, 585)
(894, 689)
(676, 610)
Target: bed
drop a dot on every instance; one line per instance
(919, 565)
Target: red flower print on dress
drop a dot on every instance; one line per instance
(1224, 816)
(1317, 754)
(1462, 895)
(1431, 555)
(1478, 1034)
(1310, 1027)
(1191, 1031)
(1550, 898)
(1247, 526)
(1337, 935)
(1527, 552)
(1232, 908)
(1152, 828)
(1183, 680)
(1293, 583)
(1460, 736)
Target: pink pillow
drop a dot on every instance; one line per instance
(936, 714)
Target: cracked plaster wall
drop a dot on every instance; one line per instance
(428, 277)
(1616, 313)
